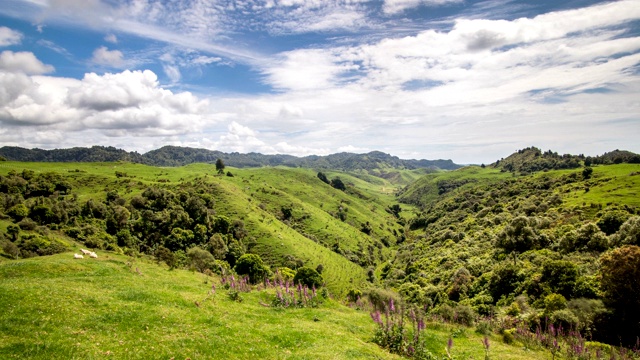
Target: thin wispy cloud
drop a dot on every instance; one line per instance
(9, 37)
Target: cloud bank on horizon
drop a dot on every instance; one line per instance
(466, 80)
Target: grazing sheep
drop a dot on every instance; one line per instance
(85, 252)
(93, 255)
(77, 256)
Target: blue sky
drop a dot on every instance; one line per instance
(470, 81)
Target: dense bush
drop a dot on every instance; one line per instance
(309, 277)
(201, 259)
(252, 266)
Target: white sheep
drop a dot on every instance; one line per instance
(77, 256)
(85, 252)
(93, 255)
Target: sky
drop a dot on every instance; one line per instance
(467, 80)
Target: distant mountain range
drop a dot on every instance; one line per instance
(179, 156)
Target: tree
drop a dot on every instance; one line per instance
(220, 166)
(561, 276)
(18, 212)
(13, 231)
(308, 276)
(323, 178)
(504, 280)
(629, 233)
(517, 237)
(253, 266)
(611, 221)
(217, 247)
(338, 184)
(620, 284)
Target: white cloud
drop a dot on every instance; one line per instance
(111, 58)
(172, 72)
(310, 69)
(9, 37)
(130, 103)
(111, 38)
(396, 6)
(22, 61)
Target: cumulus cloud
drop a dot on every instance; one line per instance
(9, 37)
(123, 104)
(22, 61)
(111, 58)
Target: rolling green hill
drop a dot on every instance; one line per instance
(324, 225)
(179, 156)
(488, 239)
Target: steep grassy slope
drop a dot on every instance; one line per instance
(55, 307)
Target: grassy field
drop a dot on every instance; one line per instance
(55, 307)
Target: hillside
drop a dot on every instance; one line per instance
(500, 243)
(288, 216)
(514, 252)
(180, 156)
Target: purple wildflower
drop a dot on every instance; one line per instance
(410, 350)
(375, 316)
(392, 308)
(421, 325)
(449, 344)
(485, 342)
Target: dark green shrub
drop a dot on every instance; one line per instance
(9, 248)
(484, 327)
(504, 280)
(354, 294)
(18, 212)
(560, 276)
(200, 259)
(33, 244)
(221, 267)
(629, 233)
(27, 224)
(465, 315)
(412, 293)
(611, 221)
(379, 298)
(167, 256)
(217, 247)
(252, 266)
(309, 277)
(586, 310)
(446, 312)
(508, 337)
(564, 318)
(554, 302)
